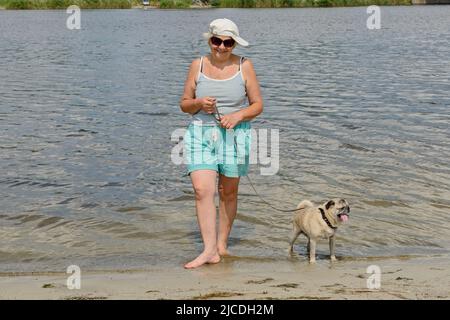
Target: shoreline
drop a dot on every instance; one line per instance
(412, 278)
(312, 4)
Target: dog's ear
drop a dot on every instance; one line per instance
(329, 204)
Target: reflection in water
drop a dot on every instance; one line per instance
(86, 119)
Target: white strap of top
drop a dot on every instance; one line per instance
(200, 68)
(201, 65)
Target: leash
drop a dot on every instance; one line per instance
(282, 210)
(218, 119)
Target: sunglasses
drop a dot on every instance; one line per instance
(228, 43)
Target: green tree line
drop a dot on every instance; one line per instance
(170, 4)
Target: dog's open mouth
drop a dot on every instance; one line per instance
(343, 217)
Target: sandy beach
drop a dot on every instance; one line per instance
(401, 278)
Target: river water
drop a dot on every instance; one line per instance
(86, 118)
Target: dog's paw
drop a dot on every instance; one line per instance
(333, 258)
(312, 261)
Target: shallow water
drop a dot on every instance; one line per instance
(86, 118)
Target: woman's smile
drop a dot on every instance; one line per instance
(219, 51)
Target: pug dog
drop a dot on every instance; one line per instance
(319, 222)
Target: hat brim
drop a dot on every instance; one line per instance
(239, 40)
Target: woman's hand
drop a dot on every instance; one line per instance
(207, 104)
(229, 121)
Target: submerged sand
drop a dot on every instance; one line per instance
(401, 278)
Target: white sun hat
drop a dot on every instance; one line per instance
(225, 27)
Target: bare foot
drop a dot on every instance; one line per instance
(202, 259)
(223, 251)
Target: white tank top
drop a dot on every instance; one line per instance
(230, 94)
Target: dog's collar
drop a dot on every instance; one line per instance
(326, 219)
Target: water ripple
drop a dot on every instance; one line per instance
(86, 120)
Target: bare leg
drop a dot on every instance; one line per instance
(204, 183)
(312, 250)
(332, 246)
(295, 233)
(228, 191)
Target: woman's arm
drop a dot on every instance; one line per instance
(253, 92)
(188, 102)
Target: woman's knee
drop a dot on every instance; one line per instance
(203, 192)
(228, 193)
(204, 184)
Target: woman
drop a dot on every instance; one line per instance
(215, 94)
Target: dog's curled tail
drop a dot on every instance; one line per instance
(305, 204)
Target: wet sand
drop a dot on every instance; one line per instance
(401, 278)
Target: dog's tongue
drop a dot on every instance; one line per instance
(343, 217)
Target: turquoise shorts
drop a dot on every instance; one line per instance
(226, 151)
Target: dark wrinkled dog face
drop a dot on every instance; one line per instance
(339, 209)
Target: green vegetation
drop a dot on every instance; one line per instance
(63, 4)
(302, 3)
(169, 4)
